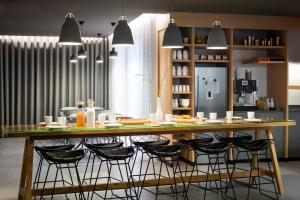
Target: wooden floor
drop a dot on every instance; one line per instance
(11, 158)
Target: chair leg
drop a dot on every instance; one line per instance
(81, 194)
(159, 174)
(250, 179)
(87, 166)
(57, 167)
(69, 169)
(146, 173)
(46, 177)
(63, 180)
(97, 176)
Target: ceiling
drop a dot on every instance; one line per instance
(45, 17)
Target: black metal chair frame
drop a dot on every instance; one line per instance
(59, 166)
(174, 189)
(252, 182)
(109, 164)
(213, 167)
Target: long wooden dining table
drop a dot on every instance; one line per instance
(35, 132)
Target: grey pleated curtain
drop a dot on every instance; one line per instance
(37, 79)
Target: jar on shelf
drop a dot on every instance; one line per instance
(174, 70)
(185, 54)
(185, 71)
(174, 54)
(179, 54)
(179, 71)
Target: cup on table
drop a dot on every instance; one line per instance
(251, 115)
(213, 116)
(229, 115)
(61, 121)
(48, 120)
(200, 116)
(168, 117)
(101, 119)
(153, 118)
(112, 118)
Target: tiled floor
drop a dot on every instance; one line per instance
(11, 151)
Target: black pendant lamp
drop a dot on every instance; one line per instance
(81, 52)
(73, 59)
(113, 54)
(216, 37)
(69, 33)
(172, 37)
(99, 58)
(122, 33)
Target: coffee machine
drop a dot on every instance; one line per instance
(245, 92)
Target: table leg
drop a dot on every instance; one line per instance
(230, 155)
(254, 158)
(26, 173)
(275, 163)
(286, 143)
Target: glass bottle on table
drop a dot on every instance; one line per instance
(90, 114)
(80, 115)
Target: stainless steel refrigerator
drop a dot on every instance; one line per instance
(207, 101)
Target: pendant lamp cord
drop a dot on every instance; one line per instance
(122, 6)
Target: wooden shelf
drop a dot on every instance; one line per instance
(183, 108)
(187, 45)
(182, 76)
(212, 61)
(245, 47)
(201, 45)
(182, 61)
(264, 62)
(205, 45)
(182, 92)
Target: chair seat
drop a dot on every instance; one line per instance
(254, 145)
(163, 151)
(115, 154)
(54, 148)
(204, 138)
(104, 145)
(146, 143)
(64, 156)
(237, 136)
(213, 148)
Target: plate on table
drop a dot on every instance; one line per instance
(113, 125)
(167, 123)
(253, 120)
(235, 117)
(215, 121)
(55, 127)
(192, 120)
(52, 124)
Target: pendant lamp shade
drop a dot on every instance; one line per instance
(69, 33)
(113, 54)
(99, 59)
(73, 59)
(122, 34)
(216, 37)
(172, 37)
(81, 53)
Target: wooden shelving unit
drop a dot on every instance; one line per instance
(236, 31)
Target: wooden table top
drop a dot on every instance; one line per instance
(73, 131)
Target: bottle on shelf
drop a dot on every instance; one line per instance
(90, 114)
(80, 115)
